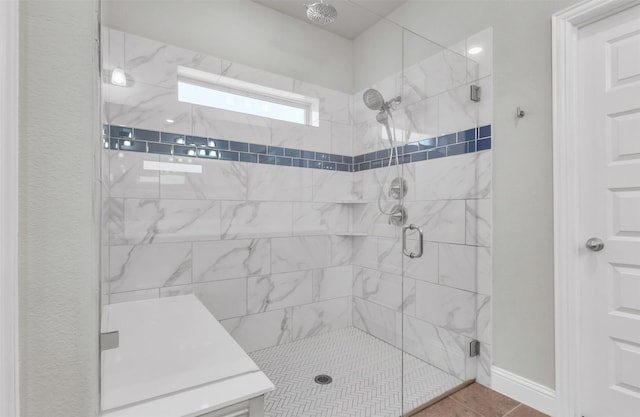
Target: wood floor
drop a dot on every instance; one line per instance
(478, 401)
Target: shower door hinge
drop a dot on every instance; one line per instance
(474, 348)
(475, 93)
(110, 340)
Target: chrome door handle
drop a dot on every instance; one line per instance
(595, 244)
(412, 255)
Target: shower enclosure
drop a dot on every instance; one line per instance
(336, 240)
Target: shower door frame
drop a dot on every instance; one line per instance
(9, 104)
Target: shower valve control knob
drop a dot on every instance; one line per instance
(595, 244)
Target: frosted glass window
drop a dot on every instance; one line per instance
(209, 97)
(211, 90)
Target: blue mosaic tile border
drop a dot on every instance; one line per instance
(164, 143)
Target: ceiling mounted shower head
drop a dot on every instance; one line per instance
(373, 99)
(321, 13)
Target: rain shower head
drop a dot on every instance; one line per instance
(373, 99)
(321, 13)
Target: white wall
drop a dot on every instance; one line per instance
(59, 228)
(523, 340)
(240, 31)
(377, 54)
(384, 50)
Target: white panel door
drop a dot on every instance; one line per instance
(609, 160)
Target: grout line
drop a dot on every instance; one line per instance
(514, 409)
(479, 413)
(467, 407)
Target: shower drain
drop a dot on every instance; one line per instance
(323, 379)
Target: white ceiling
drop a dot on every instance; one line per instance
(353, 19)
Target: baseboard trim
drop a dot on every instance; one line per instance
(524, 390)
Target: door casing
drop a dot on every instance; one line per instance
(9, 47)
(566, 25)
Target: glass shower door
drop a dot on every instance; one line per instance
(440, 264)
(377, 260)
(291, 236)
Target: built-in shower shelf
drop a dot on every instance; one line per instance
(351, 234)
(351, 202)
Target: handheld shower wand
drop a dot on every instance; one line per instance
(373, 100)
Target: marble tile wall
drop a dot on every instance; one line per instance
(149, 99)
(261, 257)
(256, 243)
(432, 306)
(441, 301)
(261, 245)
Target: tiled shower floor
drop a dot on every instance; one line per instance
(366, 376)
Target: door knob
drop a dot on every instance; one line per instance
(595, 244)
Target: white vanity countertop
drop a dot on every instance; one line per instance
(168, 347)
